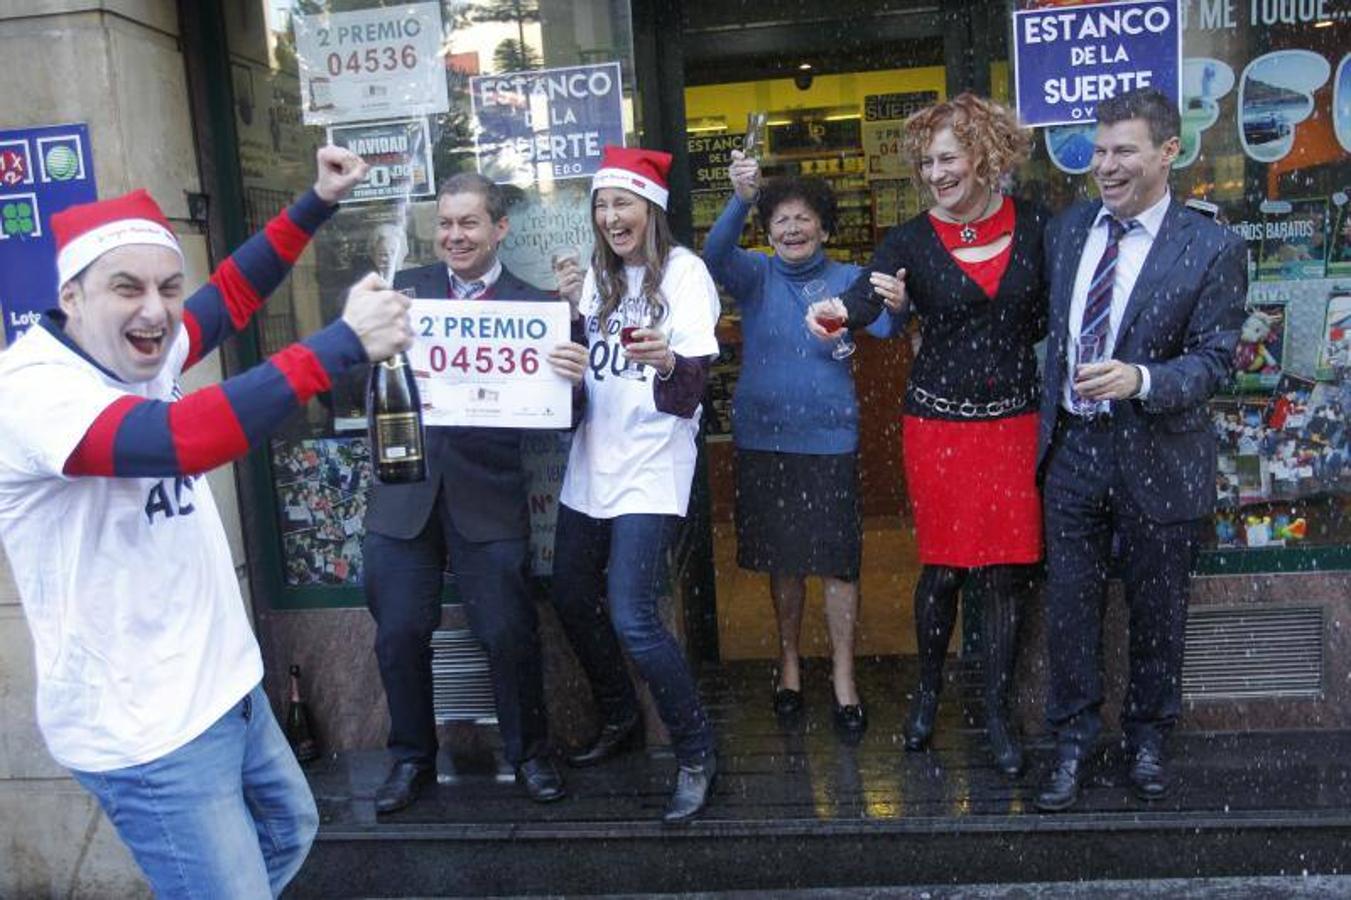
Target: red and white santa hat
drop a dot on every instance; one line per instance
(645, 172)
(85, 232)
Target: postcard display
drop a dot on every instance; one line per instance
(1265, 96)
(1266, 112)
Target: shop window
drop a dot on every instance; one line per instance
(319, 466)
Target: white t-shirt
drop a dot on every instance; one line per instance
(139, 630)
(626, 456)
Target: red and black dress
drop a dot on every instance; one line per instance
(969, 431)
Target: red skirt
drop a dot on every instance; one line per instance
(973, 490)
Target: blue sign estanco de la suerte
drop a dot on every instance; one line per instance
(1067, 59)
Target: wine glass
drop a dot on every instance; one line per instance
(815, 291)
(562, 256)
(635, 314)
(754, 142)
(1088, 349)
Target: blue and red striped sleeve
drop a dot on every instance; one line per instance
(139, 438)
(238, 287)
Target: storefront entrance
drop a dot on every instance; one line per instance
(833, 99)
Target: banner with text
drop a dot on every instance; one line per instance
(1066, 59)
(485, 363)
(884, 118)
(371, 64)
(546, 125)
(42, 171)
(709, 157)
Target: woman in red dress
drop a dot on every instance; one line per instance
(971, 270)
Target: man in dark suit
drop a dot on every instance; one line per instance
(1156, 292)
(469, 514)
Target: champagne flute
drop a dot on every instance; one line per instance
(815, 291)
(562, 256)
(635, 314)
(1088, 349)
(754, 142)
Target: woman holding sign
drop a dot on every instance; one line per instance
(650, 308)
(970, 268)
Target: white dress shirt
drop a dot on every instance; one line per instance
(1131, 253)
(459, 286)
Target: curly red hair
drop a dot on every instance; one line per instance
(987, 130)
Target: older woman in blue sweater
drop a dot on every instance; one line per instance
(794, 421)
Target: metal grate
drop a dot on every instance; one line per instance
(1271, 652)
(462, 688)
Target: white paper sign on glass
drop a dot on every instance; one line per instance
(371, 64)
(485, 363)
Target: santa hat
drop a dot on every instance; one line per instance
(634, 169)
(87, 231)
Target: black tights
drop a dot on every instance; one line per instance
(1002, 587)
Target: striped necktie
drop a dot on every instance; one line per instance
(1097, 319)
(469, 289)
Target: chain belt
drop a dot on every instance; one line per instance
(966, 409)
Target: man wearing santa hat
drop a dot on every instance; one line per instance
(149, 676)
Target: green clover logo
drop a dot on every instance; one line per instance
(18, 218)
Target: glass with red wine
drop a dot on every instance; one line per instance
(830, 322)
(636, 314)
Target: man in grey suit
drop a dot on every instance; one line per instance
(1155, 292)
(470, 515)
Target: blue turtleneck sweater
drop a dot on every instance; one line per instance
(791, 396)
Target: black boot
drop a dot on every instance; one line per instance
(693, 787)
(935, 616)
(615, 738)
(1002, 603)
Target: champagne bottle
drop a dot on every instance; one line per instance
(298, 733)
(394, 416)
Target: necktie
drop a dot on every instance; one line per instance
(470, 289)
(1098, 306)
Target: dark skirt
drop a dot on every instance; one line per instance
(797, 514)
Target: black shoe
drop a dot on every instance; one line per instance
(1061, 790)
(1008, 755)
(787, 702)
(851, 719)
(402, 786)
(614, 738)
(919, 725)
(694, 784)
(539, 776)
(1147, 774)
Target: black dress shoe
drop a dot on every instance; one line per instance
(539, 776)
(787, 702)
(1147, 774)
(694, 784)
(1008, 755)
(614, 738)
(851, 719)
(919, 725)
(1061, 790)
(402, 785)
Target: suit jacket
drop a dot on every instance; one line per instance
(478, 470)
(1181, 321)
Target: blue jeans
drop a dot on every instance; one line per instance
(226, 815)
(624, 559)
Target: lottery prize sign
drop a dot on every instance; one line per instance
(371, 64)
(485, 363)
